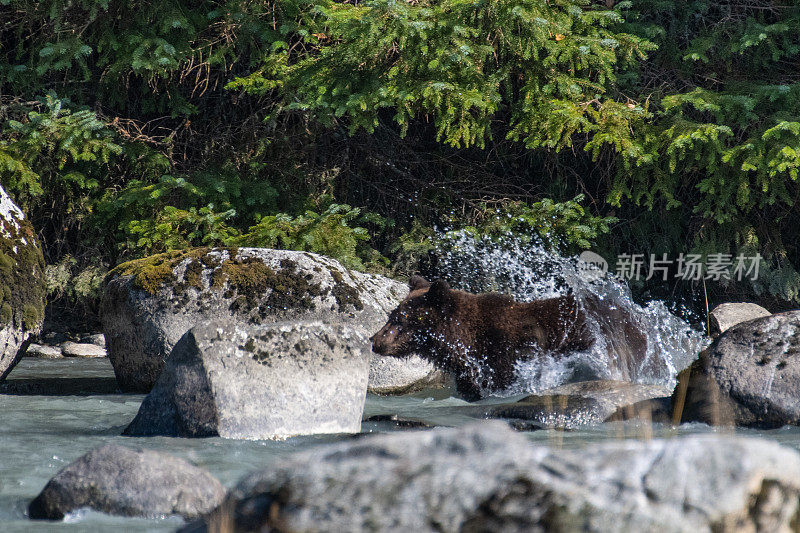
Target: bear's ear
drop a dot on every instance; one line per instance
(439, 293)
(418, 282)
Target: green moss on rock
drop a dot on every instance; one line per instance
(244, 280)
(153, 277)
(22, 290)
(31, 316)
(346, 295)
(194, 274)
(6, 313)
(152, 273)
(6, 263)
(250, 279)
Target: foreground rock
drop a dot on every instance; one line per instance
(749, 376)
(118, 480)
(584, 403)
(725, 316)
(149, 304)
(485, 477)
(259, 382)
(21, 284)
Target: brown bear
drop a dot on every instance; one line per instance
(480, 337)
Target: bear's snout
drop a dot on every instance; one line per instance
(382, 341)
(378, 346)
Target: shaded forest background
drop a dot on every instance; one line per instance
(354, 128)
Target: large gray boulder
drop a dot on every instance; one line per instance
(21, 284)
(485, 477)
(259, 382)
(150, 303)
(725, 316)
(749, 376)
(121, 481)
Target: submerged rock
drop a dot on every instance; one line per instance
(121, 481)
(85, 386)
(485, 477)
(21, 284)
(395, 422)
(149, 304)
(749, 376)
(259, 382)
(727, 315)
(578, 404)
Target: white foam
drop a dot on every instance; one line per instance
(526, 271)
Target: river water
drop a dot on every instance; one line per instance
(42, 433)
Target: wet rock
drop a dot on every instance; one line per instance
(727, 315)
(259, 382)
(97, 338)
(149, 304)
(749, 376)
(525, 425)
(390, 375)
(78, 349)
(43, 351)
(121, 481)
(656, 410)
(486, 477)
(21, 284)
(577, 404)
(397, 422)
(54, 338)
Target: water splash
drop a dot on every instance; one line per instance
(527, 271)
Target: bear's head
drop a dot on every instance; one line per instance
(411, 326)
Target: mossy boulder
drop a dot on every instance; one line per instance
(21, 284)
(148, 304)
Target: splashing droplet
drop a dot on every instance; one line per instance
(527, 271)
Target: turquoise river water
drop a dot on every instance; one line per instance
(42, 433)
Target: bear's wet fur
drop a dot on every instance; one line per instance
(480, 337)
